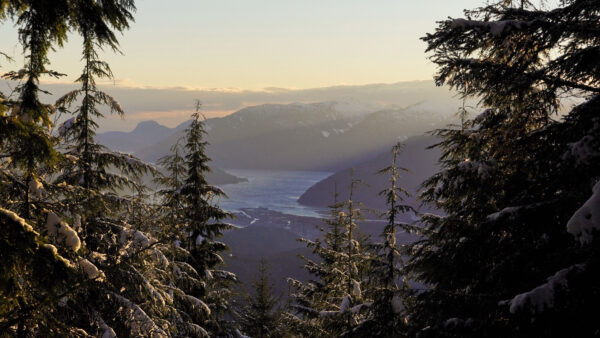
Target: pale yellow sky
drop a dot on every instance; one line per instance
(256, 44)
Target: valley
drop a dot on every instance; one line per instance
(285, 162)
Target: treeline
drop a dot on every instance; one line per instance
(512, 252)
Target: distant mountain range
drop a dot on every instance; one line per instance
(326, 136)
(421, 162)
(148, 132)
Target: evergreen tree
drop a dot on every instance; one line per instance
(192, 223)
(315, 302)
(334, 304)
(42, 24)
(386, 313)
(513, 176)
(261, 317)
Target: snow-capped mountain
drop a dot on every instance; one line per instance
(316, 136)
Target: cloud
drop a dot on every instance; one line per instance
(171, 106)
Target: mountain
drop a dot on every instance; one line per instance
(421, 162)
(324, 136)
(146, 133)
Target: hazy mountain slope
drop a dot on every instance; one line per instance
(278, 246)
(149, 132)
(415, 157)
(145, 134)
(319, 136)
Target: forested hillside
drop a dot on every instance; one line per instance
(510, 247)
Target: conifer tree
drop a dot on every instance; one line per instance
(42, 24)
(334, 303)
(513, 176)
(192, 223)
(261, 316)
(315, 302)
(387, 285)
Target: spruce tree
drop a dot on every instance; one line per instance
(513, 176)
(387, 284)
(316, 302)
(192, 222)
(333, 304)
(261, 317)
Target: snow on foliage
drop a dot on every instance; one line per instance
(496, 28)
(239, 334)
(583, 150)
(54, 252)
(506, 212)
(198, 304)
(453, 322)
(56, 227)
(36, 188)
(135, 236)
(542, 297)
(345, 305)
(397, 304)
(17, 219)
(65, 126)
(90, 270)
(586, 220)
(356, 289)
(51, 221)
(137, 320)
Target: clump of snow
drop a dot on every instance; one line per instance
(56, 227)
(51, 221)
(54, 252)
(136, 236)
(325, 133)
(397, 304)
(64, 128)
(506, 212)
(586, 220)
(77, 222)
(356, 289)
(496, 28)
(160, 258)
(345, 304)
(198, 304)
(475, 167)
(109, 333)
(328, 313)
(238, 334)
(453, 322)
(36, 188)
(583, 150)
(542, 297)
(356, 309)
(90, 270)
(17, 219)
(199, 240)
(137, 320)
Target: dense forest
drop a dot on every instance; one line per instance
(87, 249)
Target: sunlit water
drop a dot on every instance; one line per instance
(273, 189)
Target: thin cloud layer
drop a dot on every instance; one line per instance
(171, 106)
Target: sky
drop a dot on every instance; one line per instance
(256, 45)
